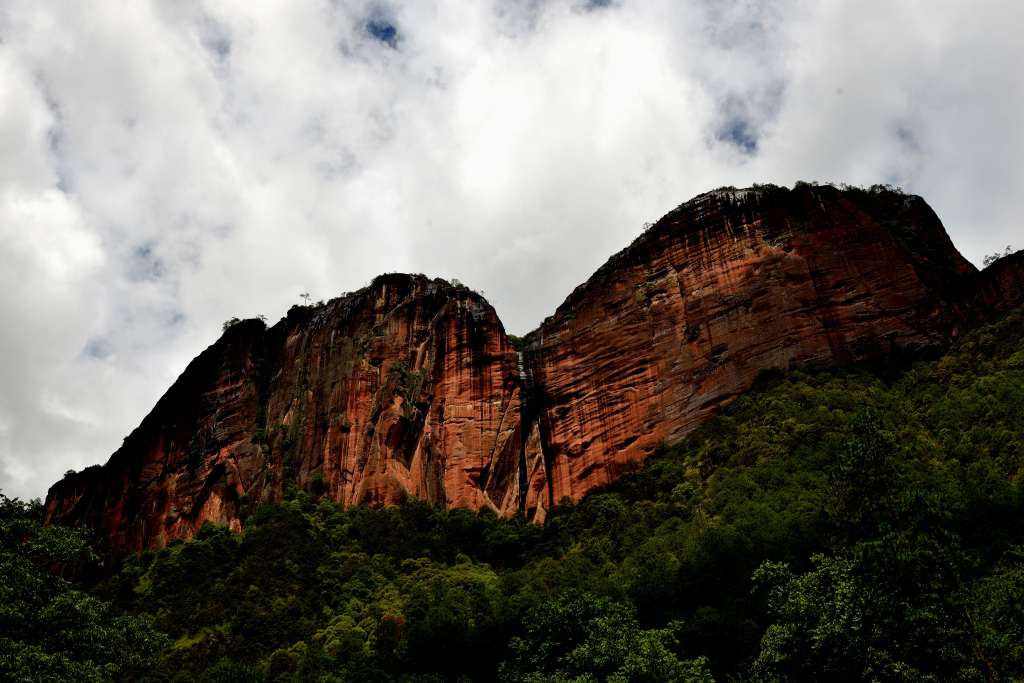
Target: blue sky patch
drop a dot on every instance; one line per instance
(740, 133)
(383, 30)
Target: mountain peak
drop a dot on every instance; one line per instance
(410, 387)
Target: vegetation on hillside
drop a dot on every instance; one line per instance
(862, 524)
(49, 630)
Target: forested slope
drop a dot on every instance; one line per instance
(842, 525)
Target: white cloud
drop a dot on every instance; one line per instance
(169, 165)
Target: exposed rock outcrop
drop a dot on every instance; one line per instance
(730, 284)
(410, 386)
(999, 288)
(407, 387)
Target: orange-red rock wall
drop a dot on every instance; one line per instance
(410, 387)
(730, 285)
(407, 388)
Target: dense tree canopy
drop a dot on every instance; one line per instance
(48, 630)
(843, 525)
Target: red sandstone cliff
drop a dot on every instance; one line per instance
(410, 387)
(730, 284)
(999, 288)
(406, 387)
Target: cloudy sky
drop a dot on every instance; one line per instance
(168, 165)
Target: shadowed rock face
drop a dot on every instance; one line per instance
(410, 387)
(998, 289)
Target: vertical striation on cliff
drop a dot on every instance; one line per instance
(723, 288)
(407, 387)
(998, 289)
(410, 387)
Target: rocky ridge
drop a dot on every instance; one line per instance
(407, 387)
(411, 386)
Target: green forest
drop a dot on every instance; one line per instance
(856, 524)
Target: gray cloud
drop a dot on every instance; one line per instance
(170, 165)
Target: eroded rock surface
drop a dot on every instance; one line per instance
(730, 284)
(998, 289)
(410, 386)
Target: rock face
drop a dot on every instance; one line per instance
(410, 386)
(728, 285)
(999, 288)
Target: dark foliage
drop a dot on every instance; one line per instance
(48, 630)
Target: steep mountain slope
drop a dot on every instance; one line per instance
(410, 386)
(839, 525)
(730, 284)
